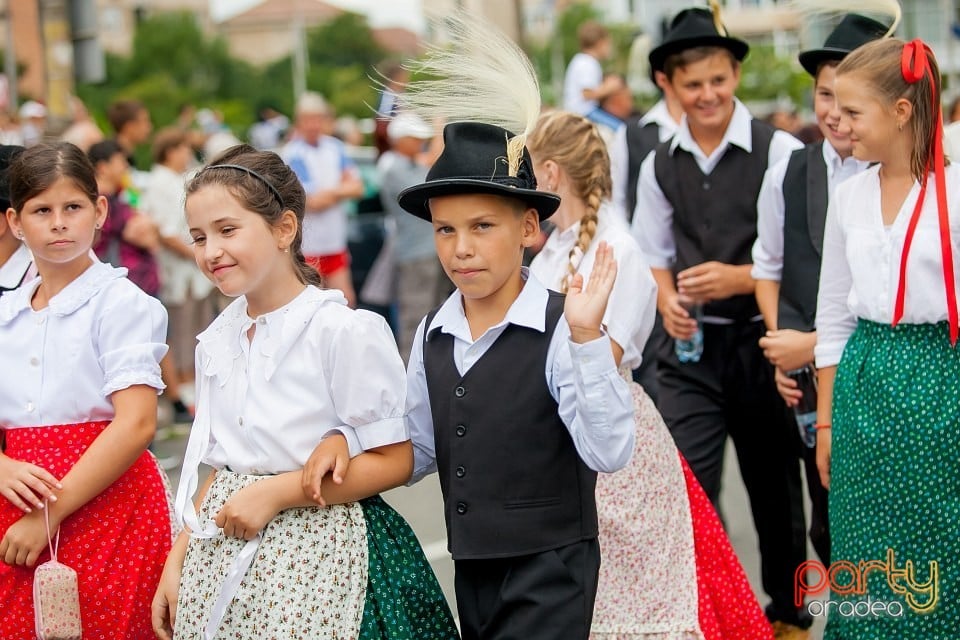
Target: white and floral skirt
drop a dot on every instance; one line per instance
(308, 580)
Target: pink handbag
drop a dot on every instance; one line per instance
(56, 597)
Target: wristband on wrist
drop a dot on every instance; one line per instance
(818, 427)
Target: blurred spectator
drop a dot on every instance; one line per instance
(10, 133)
(395, 80)
(329, 177)
(418, 272)
(347, 128)
(613, 109)
(268, 132)
(218, 137)
(83, 131)
(33, 122)
(130, 121)
(184, 290)
(583, 84)
(952, 114)
(128, 238)
(785, 119)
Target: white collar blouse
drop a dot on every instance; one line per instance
(860, 271)
(98, 335)
(312, 367)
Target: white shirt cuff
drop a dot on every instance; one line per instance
(382, 432)
(828, 354)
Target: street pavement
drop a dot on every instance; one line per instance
(421, 505)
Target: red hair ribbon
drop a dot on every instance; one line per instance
(914, 64)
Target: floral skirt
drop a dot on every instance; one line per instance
(117, 543)
(668, 570)
(895, 485)
(345, 572)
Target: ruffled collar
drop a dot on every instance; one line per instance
(76, 294)
(222, 342)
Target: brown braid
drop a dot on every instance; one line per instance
(574, 143)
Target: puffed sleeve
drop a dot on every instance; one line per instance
(368, 382)
(633, 303)
(835, 321)
(131, 338)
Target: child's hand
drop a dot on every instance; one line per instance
(787, 387)
(331, 455)
(247, 511)
(676, 320)
(26, 485)
(788, 349)
(26, 539)
(164, 607)
(584, 307)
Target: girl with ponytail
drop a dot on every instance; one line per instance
(288, 369)
(888, 415)
(657, 526)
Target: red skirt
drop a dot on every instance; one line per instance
(117, 543)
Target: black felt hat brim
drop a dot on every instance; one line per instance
(812, 59)
(659, 55)
(416, 199)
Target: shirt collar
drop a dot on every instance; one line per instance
(834, 162)
(69, 299)
(738, 133)
(223, 341)
(526, 311)
(14, 270)
(660, 115)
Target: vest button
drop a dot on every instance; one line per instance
(460, 392)
(461, 508)
(461, 431)
(706, 185)
(461, 472)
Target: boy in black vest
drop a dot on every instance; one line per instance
(791, 212)
(513, 398)
(696, 221)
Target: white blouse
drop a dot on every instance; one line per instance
(633, 302)
(99, 335)
(860, 271)
(313, 366)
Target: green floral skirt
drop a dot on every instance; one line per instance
(895, 486)
(404, 600)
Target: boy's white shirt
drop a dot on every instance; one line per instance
(652, 224)
(595, 402)
(771, 209)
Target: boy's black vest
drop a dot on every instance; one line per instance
(715, 215)
(513, 483)
(805, 213)
(641, 140)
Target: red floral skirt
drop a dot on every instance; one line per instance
(117, 543)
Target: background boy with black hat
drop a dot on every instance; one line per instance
(513, 394)
(696, 221)
(791, 213)
(16, 263)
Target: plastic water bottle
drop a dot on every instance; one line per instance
(806, 411)
(691, 350)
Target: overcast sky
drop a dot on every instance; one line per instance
(395, 13)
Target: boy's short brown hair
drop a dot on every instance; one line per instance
(826, 63)
(122, 113)
(167, 140)
(686, 57)
(590, 33)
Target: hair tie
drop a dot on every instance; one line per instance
(253, 173)
(914, 65)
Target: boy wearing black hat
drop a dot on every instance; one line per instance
(696, 221)
(791, 213)
(513, 397)
(16, 263)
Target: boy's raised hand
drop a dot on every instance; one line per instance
(585, 306)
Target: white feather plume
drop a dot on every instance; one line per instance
(481, 76)
(887, 8)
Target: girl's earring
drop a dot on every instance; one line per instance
(899, 126)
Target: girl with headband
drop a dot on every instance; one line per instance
(288, 369)
(888, 415)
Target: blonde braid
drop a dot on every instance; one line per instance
(574, 143)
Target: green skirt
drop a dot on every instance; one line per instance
(895, 486)
(404, 600)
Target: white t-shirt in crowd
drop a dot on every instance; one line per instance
(583, 72)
